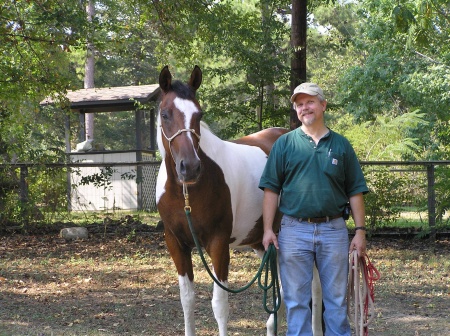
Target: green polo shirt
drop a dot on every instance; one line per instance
(313, 181)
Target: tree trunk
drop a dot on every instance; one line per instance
(298, 45)
(89, 71)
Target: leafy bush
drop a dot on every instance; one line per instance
(390, 191)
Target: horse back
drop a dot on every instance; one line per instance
(263, 139)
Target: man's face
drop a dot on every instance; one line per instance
(309, 109)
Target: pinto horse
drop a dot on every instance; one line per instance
(222, 178)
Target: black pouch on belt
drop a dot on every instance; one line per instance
(347, 211)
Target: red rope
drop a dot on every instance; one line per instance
(370, 274)
(362, 269)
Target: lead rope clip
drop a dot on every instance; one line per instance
(187, 207)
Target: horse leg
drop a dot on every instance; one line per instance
(316, 303)
(183, 262)
(219, 252)
(187, 297)
(220, 307)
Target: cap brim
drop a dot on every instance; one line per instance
(311, 93)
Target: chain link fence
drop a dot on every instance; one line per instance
(48, 192)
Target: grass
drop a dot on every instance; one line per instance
(83, 218)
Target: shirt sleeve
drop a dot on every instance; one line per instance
(355, 182)
(272, 176)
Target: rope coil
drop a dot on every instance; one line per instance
(361, 277)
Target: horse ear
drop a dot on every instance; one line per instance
(196, 78)
(165, 79)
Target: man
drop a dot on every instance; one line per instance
(311, 174)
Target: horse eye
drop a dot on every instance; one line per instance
(164, 115)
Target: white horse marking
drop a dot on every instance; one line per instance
(188, 108)
(187, 297)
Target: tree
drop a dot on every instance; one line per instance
(242, 47)
(35, 38)
(299, 27)
(89, 70)
(383, 67)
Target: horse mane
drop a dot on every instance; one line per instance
(205, 125)
(182, 90)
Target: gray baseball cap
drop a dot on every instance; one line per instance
(311, 89)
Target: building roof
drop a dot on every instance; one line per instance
(120, 98)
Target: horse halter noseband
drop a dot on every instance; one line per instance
(177, 133)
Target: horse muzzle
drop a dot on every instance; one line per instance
(189, 171)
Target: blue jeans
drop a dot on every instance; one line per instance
(301, 243)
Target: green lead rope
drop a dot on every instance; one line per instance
(268, 264)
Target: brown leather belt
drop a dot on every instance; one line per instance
(320, 219)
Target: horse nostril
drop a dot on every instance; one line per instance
(182, 168)
(189, 171)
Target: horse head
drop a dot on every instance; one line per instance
(179, 125)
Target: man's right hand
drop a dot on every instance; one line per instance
(269, 238)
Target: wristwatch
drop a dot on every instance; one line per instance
(360, 228)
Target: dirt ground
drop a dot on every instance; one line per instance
(125, 284)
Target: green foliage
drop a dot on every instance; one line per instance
(389, 192)
(35, 36)
(48, 191)
(386, 137)
(403, 66)
(46, 197)
(247, 71)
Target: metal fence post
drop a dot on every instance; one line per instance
(431, 202)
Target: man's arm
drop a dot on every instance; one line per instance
(358, 242)
(270, 206)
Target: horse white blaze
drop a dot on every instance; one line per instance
(188, 108)
(187, 297)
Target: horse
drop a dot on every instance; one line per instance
(222, 180)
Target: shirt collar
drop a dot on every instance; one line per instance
(303, 134)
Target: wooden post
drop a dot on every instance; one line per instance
(152, 131)
(139, 121)
(68, 159)
(24, 192)
(82, 135)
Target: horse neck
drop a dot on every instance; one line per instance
(209, 142)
